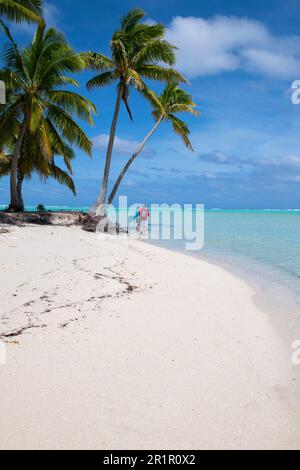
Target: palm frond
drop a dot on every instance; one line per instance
(62, 61)
(141, 34)
(67, 81)
(184, 108)
(20, 10)
(59, 146)
(5, 164)
(70, 130)
(11, 53)
(101, 80)
(73, 103)
(133, 78)
(97, 62)
(62, 177)
(155, 102)
(9, 115)
(156, 51)
(36, 107)
(182, 130)
(132, 18)
(158, 72)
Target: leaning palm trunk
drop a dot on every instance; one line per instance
(131, 160)
(15, 204)
(101, 200)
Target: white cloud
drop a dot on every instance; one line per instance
(121, 146)
(217, 157)
(287, 161)
(220, 44)
(51, 14)
(272, 63)
(209, 175)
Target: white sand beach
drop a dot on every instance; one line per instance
(123, 345)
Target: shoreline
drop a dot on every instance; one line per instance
(137, 347)
(270, 294)
(273, 299)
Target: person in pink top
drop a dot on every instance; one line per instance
(141, 217)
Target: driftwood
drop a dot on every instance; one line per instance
(90, 223)
(101, 224)
(63, 218)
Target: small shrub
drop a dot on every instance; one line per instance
(40, 208)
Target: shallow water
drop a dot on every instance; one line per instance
(263, 244)
(266, 242)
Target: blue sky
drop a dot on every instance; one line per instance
(241, 59)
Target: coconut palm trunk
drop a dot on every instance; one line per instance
(20, 179)
(102, 198)
(131, 160)
(15, 204)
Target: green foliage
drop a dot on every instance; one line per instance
(22, 10)
(33, 159)
(172, 101)
(40, 208)
(137, 52)
(35, 78)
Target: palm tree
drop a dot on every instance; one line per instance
(34, 79)
(137, 51)
(173, 100)
(21, 10)
(32, 160)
